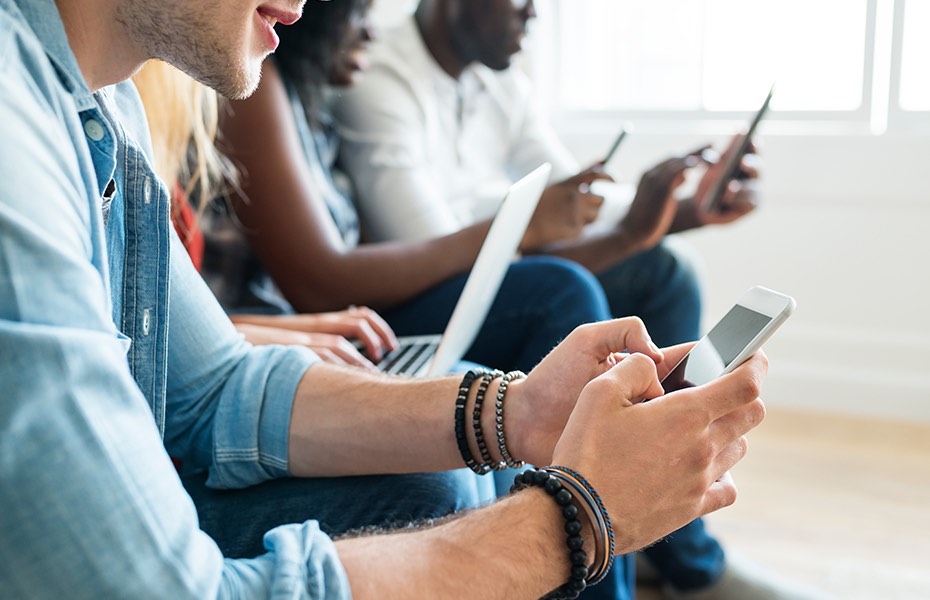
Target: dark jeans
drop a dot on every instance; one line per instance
(541, 300)
(238, 519)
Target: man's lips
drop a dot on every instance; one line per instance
(278, 15)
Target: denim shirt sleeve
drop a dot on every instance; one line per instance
(229, 403)
(90, 504)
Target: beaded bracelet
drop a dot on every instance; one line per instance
(603, 528)
(460, 437)
(499, 419)
(578, 559)
(476, 420)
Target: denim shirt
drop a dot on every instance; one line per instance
(112, 351)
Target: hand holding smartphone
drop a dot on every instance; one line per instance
(736, 337)
(732, 167)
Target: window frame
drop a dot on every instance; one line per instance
(880, 92)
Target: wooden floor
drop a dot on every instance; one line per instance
(841, 505)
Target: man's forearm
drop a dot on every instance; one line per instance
(350, 422)
(510, 550)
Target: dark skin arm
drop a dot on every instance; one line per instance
(656, 212)
(648, 220)
(293, 234)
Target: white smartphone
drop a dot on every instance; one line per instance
(736, 337)
(732, 168)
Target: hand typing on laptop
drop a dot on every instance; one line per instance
(355, 336)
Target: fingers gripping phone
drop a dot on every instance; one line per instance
(736, 337)
(732, 167)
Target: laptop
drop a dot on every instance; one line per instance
(436, 354)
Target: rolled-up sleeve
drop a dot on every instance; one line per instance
(229, 403)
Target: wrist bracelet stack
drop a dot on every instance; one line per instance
(569, 489)
(488, 463)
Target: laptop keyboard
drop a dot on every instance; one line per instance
(410, 355)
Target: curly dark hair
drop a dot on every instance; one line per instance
(308, 48)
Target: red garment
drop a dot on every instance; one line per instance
(185, 223)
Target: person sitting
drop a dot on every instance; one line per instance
(114, 355)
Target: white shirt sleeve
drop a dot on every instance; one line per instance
(384, 129)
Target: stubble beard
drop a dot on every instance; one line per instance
(183, 34)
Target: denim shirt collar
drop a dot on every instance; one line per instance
(44, 19)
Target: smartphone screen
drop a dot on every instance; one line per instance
(715, 353)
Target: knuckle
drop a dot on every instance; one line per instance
(750, 387)
(583, 332)
(743, 445)
(756, 412)
(702, 458)
(727, 496)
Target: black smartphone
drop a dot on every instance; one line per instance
(732, 168)
(615, 146)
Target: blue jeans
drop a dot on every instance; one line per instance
(238, 519)
(660, 287)
(541, 300)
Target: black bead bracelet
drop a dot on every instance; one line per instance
(578, 559)
(605, 544)
(460, 436)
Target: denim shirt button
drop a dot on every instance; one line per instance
(94, 129)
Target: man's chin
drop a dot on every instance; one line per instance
(499, 64)
(241, 84)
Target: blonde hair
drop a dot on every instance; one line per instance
(183, 117)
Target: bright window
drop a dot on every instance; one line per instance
(829, 59)
(915, 60)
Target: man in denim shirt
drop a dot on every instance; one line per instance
(104, 378)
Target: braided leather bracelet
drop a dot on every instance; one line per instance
(578, 559)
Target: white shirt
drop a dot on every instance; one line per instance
(430, 154)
